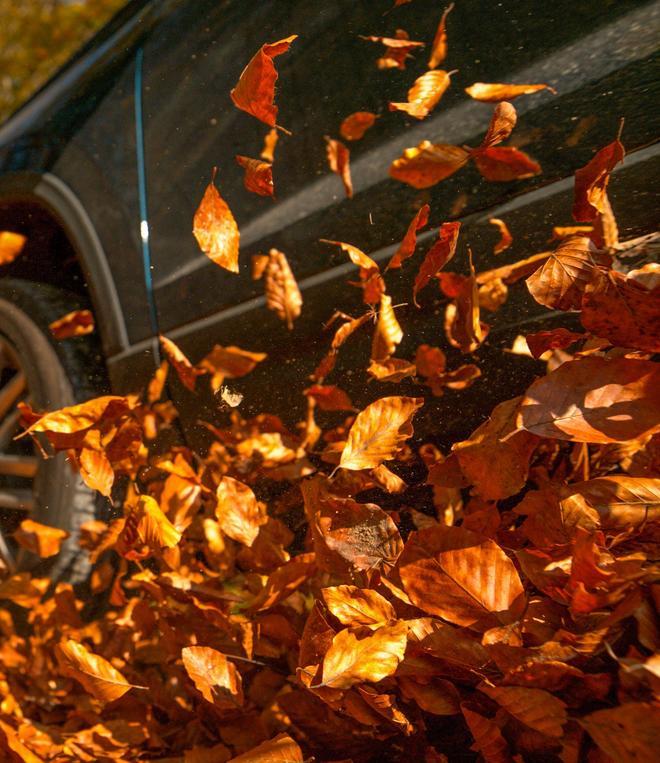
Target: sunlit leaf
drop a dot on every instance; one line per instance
(96, 674)
(214, 676)
(591, 183)
(542, 341)
(330, 398)
(238, 511)
(506, 239)
(280, 749)
(358, 606)
(492, 93)
(536, 708)
(216, 230)
(488, 739)
(185, 370)
(153, 528)
(397, 49)
(502, 164)
(339, 158)
(76, 323)
(407, 246)
(425, 94)
(258, 176)
(388, 333)
(11, 245)
(270, 141)
(229, 363)
(42, 540)
(439, 46)
(428, 164)
(282, 293)
(355, 125)
(440, 253)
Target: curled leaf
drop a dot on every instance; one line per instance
(76, 323)
(239, 513)
(11, 245)
(506, 239)
(388, 333)
(397, 49)
(339, 162)
(437, 256)
(355, 125)
(40, 539)
(185, 370)
(493, 93)
(258, 176)
(407, 246)
(591, 183)
(424, 94)
(439, 47)
(270, 141)
(282, 293)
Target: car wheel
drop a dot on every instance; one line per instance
(35, 368)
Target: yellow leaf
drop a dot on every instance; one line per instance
(96, 674)
(358, 606)
(238, 511)
(214, 676)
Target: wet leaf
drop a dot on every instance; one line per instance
(214, 676)
(355, 125)
(215, 229)
(76, 323)
(258, 176)
(492, 93)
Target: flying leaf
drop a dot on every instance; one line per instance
(492, 93)
(562, 279)
(591, 183)
(214, 676)
(595, 400)
(185, 370)
(425, 94)
(379, 432)
(229, 363)
(329, 398)
(397, 49)
(391, 370)
(76, 323)
(462, 577)
(358, 606)
(153, 528)
(230, 398)
(439, 47)
(270, 141)
(463, 325)
(282, 293)
(407, 246)
(238, 511)
(503, 164)
(11, 245)
(255, 89)
(357, 256)
(389, 481)
(501, 125)
(536, 708)
(351, 659)
(339, 162)
(437, 256)
(215, 229)
(96, 470)
(388, 333)
(355, 125)
(97, 676)
(258, 176)
(506, 239)
(40, 539)
(428, 164)
(280, 749)
(78, 418)
(559, 338)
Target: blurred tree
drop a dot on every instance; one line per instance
(38, 36)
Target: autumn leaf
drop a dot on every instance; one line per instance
(439, 46)
(214, 676)
(258, 176)
(594, 400)
(357, 256)
(391, 369)
(437, 256)
(407, 246)
(355, 125)
(428, 164)
(379, 432)
(504, 163)
(506, 239)
(397, 49)
(388, 333)
(389, 481)
(185, 370)
(238, 511)
(282, 293)
(76, 323)
(488, 739)
(354, 657)
(355, 606)
(11, 245)
(280, 749)
(42, 540)
(215, 229)
(152, 526)
(493, 93)
(625, 733)
(501, 125)
(270, 141)
(255, 89)
(97, 675)
(425, 94)
(229, 363)
(329, 397)
(559, 338)
(96, 470)
(77, 418)
(463, 325)
(536, 708)
(438, 696)
(339, 162)
(591, 183)
(462, 577)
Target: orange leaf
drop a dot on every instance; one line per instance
(280, 749)
(388, 333)
(397, 49)
(536, 708)
(462, 577)
(255, 89)
(437, 256)
(389, 481)
(270, 141)
(40, 539)
(407, 246)
(229, 363)
(558, 338)
(11, 245)
(282, 293)
(625, 733)
(153, 528)
(594, 400)
(258, 176)
(439, 47)
(379, 432)
(503, 164)
(330, 398)
(214, 676)
(357, 256)
(77, 418)
(96, 470)
(339, 162)
(76, 323)
(428, 164)
(501, 125)
(424, 94)
(491, 93)
(215, 229)
(488, 739)
(185, 370)
(238, 511)
(355, 125)
(391, 369)
(96, 675)
(351, 660)
(438, 697)
(591, 183)
(358, 606)
(463, 325)
(506, 239)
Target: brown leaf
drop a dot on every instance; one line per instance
(255, 89)
(504, 163)
(214, 676)
(428, 164)
(152, 526)
(280, 749)
(329, 397)
(270, 141)
(215, 229)
(355, 125)
(76, 323)
(492, 93)
(397, 49)
(591, 183)
(438, 696)
(358, 606)
(388, 333)
(376, 655)
(339, 158)
(389, 481)
(238, 511)
(77, 418)
(506, 239)
(282, 293)
(627, 733)
(96, 470)
(391, 370)
(40, 539)
(462, 577)
(463, 325)
(562, 279)
(536, 708)
(559, 338)
(229, 363)
(185, 370)
(501, 125)
(97, 676)
(594, 400)
(439, 47)
(379, 432)
(407, 246)
(488, 739)
(437, 256)
(425, 94)
(11, 245)
(258, 176)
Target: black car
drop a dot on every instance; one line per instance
(104, 167)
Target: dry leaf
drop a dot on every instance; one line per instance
(339, 162)
(40, 539)
(76, 323)
(488, 739)
(214, 676)
(229, 363)
(270, 141)
(185, 370)
(439, 47)
(258, 176)
(591, 183)
(153, 528)
(397, 49)
(536, 708)
(428, 164)
(358, 606)
(503, 164)
(388, 333)
(238, 511)
(437, 256)
(425, 94)
(282, 293)
(506, 239)
(280, 749)
(11, 245)
(626, 733)
(97, 675)
(493, 93)
(355, 125)
(407, 246)
(329, 398)
(542, 341)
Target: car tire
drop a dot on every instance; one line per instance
(54, 374)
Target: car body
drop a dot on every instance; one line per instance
(104, 167)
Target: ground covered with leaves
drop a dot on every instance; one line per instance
(248, 604)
